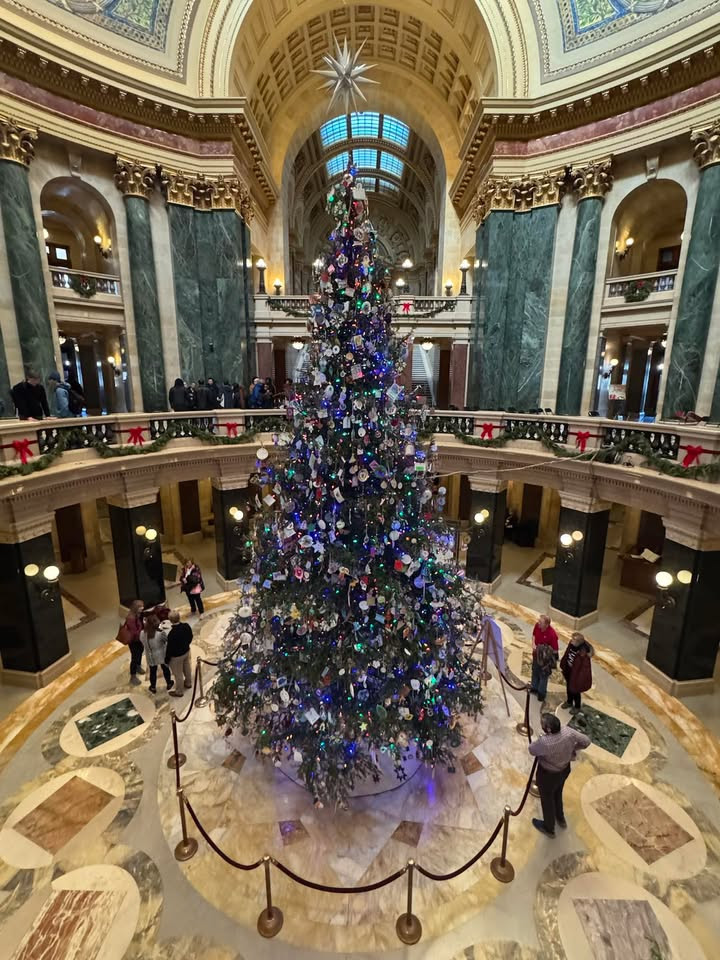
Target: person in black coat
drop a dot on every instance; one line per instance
(191, 393)
(203, 396)
(214, 391)
(30, 398)
(227, 396)
(178, 396)
(177, 653)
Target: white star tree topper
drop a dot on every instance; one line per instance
(346, 75)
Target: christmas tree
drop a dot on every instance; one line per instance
(350, 641)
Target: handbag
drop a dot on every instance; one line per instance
(124, 635)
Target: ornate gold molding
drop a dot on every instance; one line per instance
(134, 179)
(593, 180)
(203, 193)
(177, 188)
(519, 196)
(707, 145)
(16, 143)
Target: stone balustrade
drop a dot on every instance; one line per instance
(672, 440)
(662, 286)
(66, 282)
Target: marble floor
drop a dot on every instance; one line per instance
(89, 821)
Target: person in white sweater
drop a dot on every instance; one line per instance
(154, 641)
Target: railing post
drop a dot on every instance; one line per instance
(202, 700)
(524, 728)
(187, 847)
(270, 920)
(500, 867)
(177, 759)
(408, 926)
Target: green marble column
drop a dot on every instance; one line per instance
(478, 320)
(521, 253)
(146, 308)
(536, 304)
(697, 293)
(231, 316)
(494, 282)
(578, 313)
(183, 244)
(249, 300)
(25, 266)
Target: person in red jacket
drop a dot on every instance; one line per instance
(545, 652)
(577, 669)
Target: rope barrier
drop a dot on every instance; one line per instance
(192, 697)
(466, 866)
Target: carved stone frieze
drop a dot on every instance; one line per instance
(520, 196)
(134, 179)
(593, 180)
(207, 193)
(549, 188)
(177, 188)
(707, 145)
(16, 142)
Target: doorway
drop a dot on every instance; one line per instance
(96, 362)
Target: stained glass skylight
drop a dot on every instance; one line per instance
(395, 131)
(391, 164)
(337, 164)
(334, 131)
(365, 124)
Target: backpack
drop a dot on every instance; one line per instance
(75, 402)
(545, 657)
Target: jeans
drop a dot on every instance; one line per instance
(181, 670)
(196, 603)
(136, 653)
(539, 681)
(550, 784)
(573, 698)
(166, 673)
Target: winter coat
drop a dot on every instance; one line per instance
(178, 396)
(256, 396)
(178, 641)
(30, 400)
(578, 674)
(203, 398)
(227, 393)
(190, 579)
(154, 648)
(61, 400)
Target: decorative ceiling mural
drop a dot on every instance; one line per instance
(144, 21)
(584, 21)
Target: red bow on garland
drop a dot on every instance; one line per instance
(487, 431)
(581, 439)
(22, 449)
(406, 307)
(136, 436)
(692, 455)
(231, 429)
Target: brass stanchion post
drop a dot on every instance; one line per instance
(187, 847)
(486, 675)
(534, 789)
(408, 926)
(524, 728)
(202, 700)
(270, 920)
(177, 759)
(500, 867)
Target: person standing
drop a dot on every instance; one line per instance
(178, 396)
(576, 667)
(177, 654)
(192, 584)
(30, 398)
(129, 634)
(203, 396)
(238, 396)
(213, 394)
(554, 751)
(192, 400)
(544, 656)
(59, 395)
(227, 396)
(256, 394)
(154, 641)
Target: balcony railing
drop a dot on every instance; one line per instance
(404, 304)
(85, 285)
(662, 283)
(676, 442)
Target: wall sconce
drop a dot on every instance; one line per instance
(476, 265)
(248, 263)
(262, 267)
(664, 580)
(400, 284)
(480, 519)
(46, 233)
(318, 265)
(448, 288)
(622, 251)
(50, 578)
(277, 286)
(427, 345)
(297, 344)
(568, 541)
(105, 247)
(236, 513)
(464, 267)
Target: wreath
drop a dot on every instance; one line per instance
(85, 286)
(637, 290)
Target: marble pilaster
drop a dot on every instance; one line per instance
(208, 316)
(25, 265)
(696, 300)
(484, 551)
(496, 245)
(138, 562)
(578, 312)
(248, 298)
(183, 242)
(233, 547)
(578, 568)
(517, 282)
(137, 182)
(231, 318)
(536, 305)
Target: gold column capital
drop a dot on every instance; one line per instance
(549, 188)
(177, 188)
(134, 179)
(16, 142)
(204, 191)
(520, 196)
(707, 145)
(495, 194)
(595, 179)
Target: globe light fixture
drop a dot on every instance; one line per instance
(141, 531)
(448, 288)
(297, 344)
(407, 264)
(31, 570)
(400, 283)
(277, 286)
(577, 536)
(51, 573)
(479, 518)
(236, 513)
(663, 579)
(151, 535)
(464, 267)
(566, 539)
(46, 233)
(685, 576)
(262, 267)
(427, 345)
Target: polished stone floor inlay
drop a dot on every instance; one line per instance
(470, 764)
(646, 828)
(72, 926)
(605, 731)
(235, 761)
(292, 831)
(622, 929)
(109, 722)
(55, 821)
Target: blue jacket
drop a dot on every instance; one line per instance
(256, 395)
(61, 400)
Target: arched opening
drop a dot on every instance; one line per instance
(80, 245)
(643, 258)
